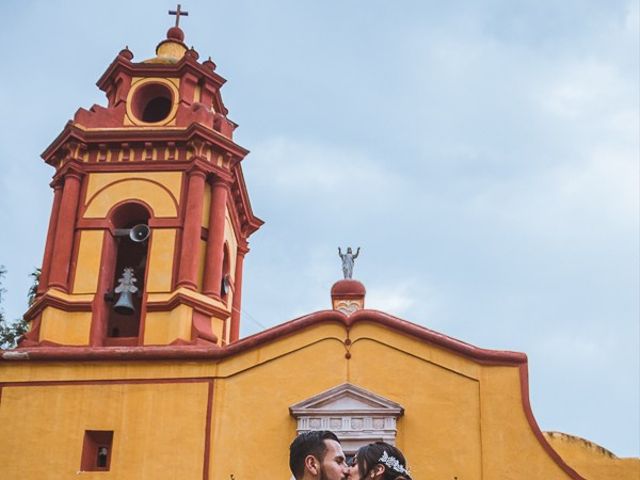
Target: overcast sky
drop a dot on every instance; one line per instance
(484, 155)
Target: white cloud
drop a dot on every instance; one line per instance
(310, 168)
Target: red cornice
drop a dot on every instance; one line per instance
(480, 355)
(181, 298)
(48, 300)
(136, 134)
(253, 223)
(187, 64)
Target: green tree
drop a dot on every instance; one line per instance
(10, 332)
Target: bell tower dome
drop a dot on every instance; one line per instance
(151, 216)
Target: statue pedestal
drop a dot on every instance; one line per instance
(347, 296)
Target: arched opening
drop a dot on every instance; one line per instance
(129, 272)
(152, 102)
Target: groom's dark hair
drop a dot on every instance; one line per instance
(308, 443)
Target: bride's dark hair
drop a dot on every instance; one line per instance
(369, 456)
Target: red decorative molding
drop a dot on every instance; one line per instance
(348, 289)
(48, 300)
(183, 299)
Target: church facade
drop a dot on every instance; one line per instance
(133, 366)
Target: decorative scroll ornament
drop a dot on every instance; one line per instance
(348, 307)
(393, 462)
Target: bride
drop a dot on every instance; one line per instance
(379, 461)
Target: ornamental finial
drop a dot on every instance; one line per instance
(178, 13)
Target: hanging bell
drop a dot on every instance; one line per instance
(124, 305)
(126, 288)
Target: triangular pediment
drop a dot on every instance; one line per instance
(346, 399)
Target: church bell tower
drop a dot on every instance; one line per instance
(150, 216)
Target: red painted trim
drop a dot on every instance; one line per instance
(215, 242)
(253, 222)
(63, 244)
(207, 433)
(182, 299)
(120, 381)
(187, 65)
(159, 165)
(47, 300)
(131, 135)
(105, 223)
(237, 298)
(121, 341)
(189, 258)
(526, 405)
(201, 328)
(488, 357)
(48, 250)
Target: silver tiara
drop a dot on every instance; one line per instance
(392, 462)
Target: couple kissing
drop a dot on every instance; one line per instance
(318, 455)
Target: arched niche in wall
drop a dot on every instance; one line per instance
(129, 268)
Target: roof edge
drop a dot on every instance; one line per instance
(190, 352)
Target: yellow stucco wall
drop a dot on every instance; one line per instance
(67, 328)
(160, 263)
(162, 328)
(159, 429)
(88, 261)
(160, 190)
(462, 419)
(591, 461)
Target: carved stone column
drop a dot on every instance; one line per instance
(43, 284)
(234, 331)
(65, 230)
(188, 272)
(215, 242)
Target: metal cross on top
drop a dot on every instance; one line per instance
(177, 12)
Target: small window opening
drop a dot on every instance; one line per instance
(156, 110)
(152, 102)
(96, 451)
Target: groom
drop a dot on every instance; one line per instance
(317, 455)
